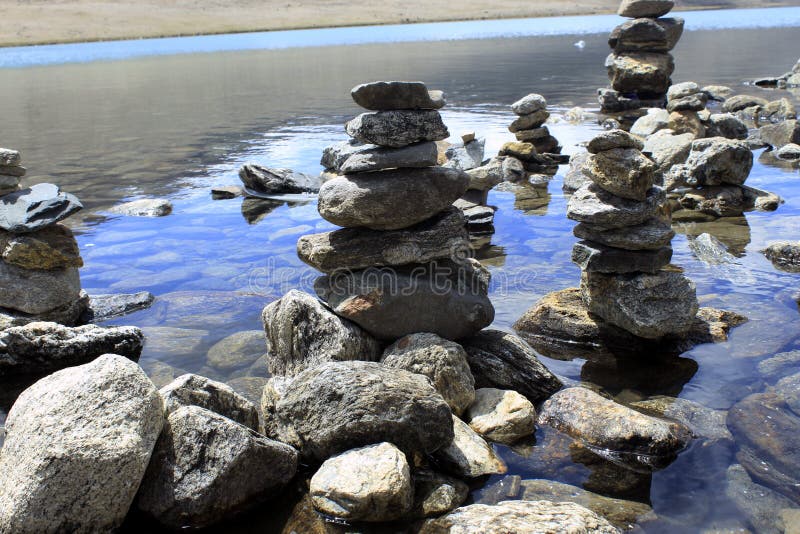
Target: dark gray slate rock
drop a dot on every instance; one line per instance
(504, 361)
(592, 204)
(271, 181)
(38, 292)
(382, 96)
(36, 207)
(206, 468)
(646, 35)
(69, 314)
(611, 139)
(645, 8)
(599, 258)
(397, 128)
(104, 307)
(442, 236)
(640, 72)
(45, 347)
(390, 200)
(650, 235)
(339, 406)
(352, 157)
(194, 390)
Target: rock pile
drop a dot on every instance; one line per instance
(39, 258)
(537, 150)
(640, 64)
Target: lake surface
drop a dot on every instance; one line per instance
(175, 125)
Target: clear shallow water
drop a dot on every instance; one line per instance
(176, 125)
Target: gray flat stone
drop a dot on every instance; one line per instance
(592, 204)
(35, 208)
(599, 258)
(397, 128)
(382, 96)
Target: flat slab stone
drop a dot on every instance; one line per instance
(146, 207)
(600, 258)
(104, 307)
(612, 139)
(272, 181)
(650, 235)
(36, 207)
(352, 157)
(645, 8)
(51, 248)
(594, 205)
(397, 129)
(37, 292)
(382, 96)
(646, 35)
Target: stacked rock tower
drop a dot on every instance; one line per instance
(401, 265)
(640, 64)
(626, 235)
(39, 258)
(538, 151)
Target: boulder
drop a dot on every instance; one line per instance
(682, 90)
(726, 125)
(594, 257)
(779, 134)
(302, 333)
(487, 176)
(397, 129)
(36, 207)
(645, 8)
(51, 248)
(442, 236)
(436, 494)
(444, 362)
(651, 306)
(104, 307)
(446, 298)
(757, 503)
(736, 103)
(77, 445)
(704, 422)
(371, 200)
(338, 406)
(501, 415)
(640, 72)
(36, 292)
(206, 468)
(648, 124)
(504, 361)
(41, 347)
(785, 255)
(574, 179)
(653, 234)
(718, 161)
(623, 172)
(529, 104)
(592, 204)
(687, 102)
(519, 517)
(194, 390)
(145, 207)
(667, 149)
(381, 96)
(352, 157)
(272, 181)
(468, 455)
(602, 423)
(718, 201)
(681, 122)
(611, 139)
(69, 314)
(372, 483)
(646, 35)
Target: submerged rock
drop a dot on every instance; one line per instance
(146, 207)
(397, 129)
(436, 494)
(468, 455)
(236, 351)
(592, 204)
(36, 207)
(372, 483)
(501, 415)
(785, 255)
(104, 307)
(381, 96)
(67, 432)
(702, 421)
(194, 390)
(271, 181)
(760, 505)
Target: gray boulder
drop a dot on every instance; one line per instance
(718, 161)
(781, 133)
(35, 291)
(529, 104)
(640, 72)
(653, 234)
(36, 207)
(301, 333)
(194, 390)
(8, 184)
(467, 156)
(206, 468)
(574, 179)
(390, 200)
(397, 129)
(271, 181)
(736, 103)
(381, 96)
(667, 149)
(468, 455)
(611, 139)
(592, 204)
(77, 445)
(353, 157)
(501, 415)
(485, 177)
(145, 207)
(646, 35)
(444, 362)
(45, 347)
(785, 255)
(656, 119)
(594, 257)
(531, 121)
(338, 406)
(717, 201)
(623, 172)
(726, 125)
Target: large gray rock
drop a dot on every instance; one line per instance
(646, 35)
(446, 298)
(397, 128)
(390, 200)
(623, 172)
(380, 96)
(593, 257)
(592, 204)
(760, 505)
(45, 347)
(726, 125)
(339, 406)
(468, 455)
(529, 104)
(640, 72)
(271, 181)
(36, 207)
(718, 201)
(372, 483)
(667, 149)
(519, 517)
(8, 184)
(442, 236)
(651, 306)
(742, 102)
(194, 390)
(487, 176)
(77, 445)
(504, 361)
(301, 333)
(611, 139)
(465, 156)
(35, 291)
(206, 468)
(645, 8)
(785, 255)
(781, 133)
(717, 161)
(704, 422)
(574, 179)
(444, 362)
(145, 207)
(501, 415)
(353, 157)
(603, 423)
(104, 307)
(656, 119)
(70, 314)
(650, 235)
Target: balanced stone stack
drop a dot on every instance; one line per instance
(538, 151)
(685, 102)
(401, 264)
(39, 258)
(640, 64)
(626, 232)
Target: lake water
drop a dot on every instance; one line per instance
(115, 121)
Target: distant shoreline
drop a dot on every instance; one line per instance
(73, 21)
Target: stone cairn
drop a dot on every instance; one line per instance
(400, 266)
(537, 150)
(640, 64)
(39, 258)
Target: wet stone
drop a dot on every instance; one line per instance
(146, 207)
(271, 181)
(436, 494)
(392, 95)
(104, 307)
(397, 129)
(600, 258)
(499, 415)
(51, 248)
(784, 255)
(468, 455)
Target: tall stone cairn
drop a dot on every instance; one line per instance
(39, 258)
(538, 151)
(640, 65)
(401, 263)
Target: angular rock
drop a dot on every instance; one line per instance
(681, 122)
(529, 104)
(446, 298)
(653, 234)
(271, 181)
(206, 468)
(9, 157)
(651, 306)
(741, 102)
(487, 176)
(15, 171)
(236, 351)
(36, 207)
(338, 406)
(720, 93)
(593, 257)
(302, 333)
(640, 72)
(501, 415)
(645, 8)
(759, 199)
(146, 207)
(718, 161)
(646, 125)
(444, 362)
(666, 149)
(785, 255)
(397, 129)
(51, 248)
(612, 139)
(726, 125)
(44, 347)
(69, 314)
(646, 35)
(623, 172)
(221, 192)
(37, 292)
(442, 236)
(67, 432)
(194, 390)
(371, 483)
(695, 102)
(468, 455)
(381, 96)
(780, 134)
(712, 325)
(353, 157)
(504, 361)
(465, 157)
(533, 135)
(702, 421)
(592, 204)
(372, 200)
(104, 307)
(778, 110)
(612, 101)
(529, 121)
(682, 90)
(719, 201)
(436, 494)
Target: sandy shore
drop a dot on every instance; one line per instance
(58, 21)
